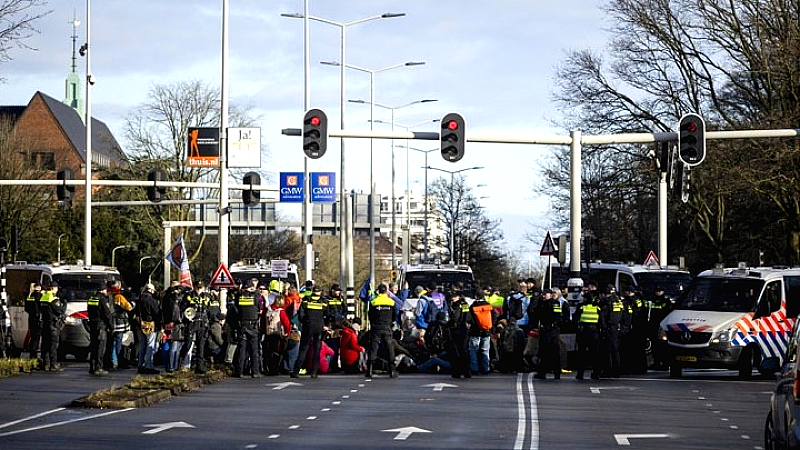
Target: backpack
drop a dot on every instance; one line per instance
(272, 324)
(508, 339)
(515, 309)
(483, 316)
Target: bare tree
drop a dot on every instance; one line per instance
(17, 18)
(735, 63)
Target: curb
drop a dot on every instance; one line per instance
(140, 397)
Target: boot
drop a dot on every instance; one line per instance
(368, 374)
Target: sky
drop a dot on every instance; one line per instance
(493, 62)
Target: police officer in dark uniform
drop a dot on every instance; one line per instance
(247, 311)
(201, 302)
(381, 317)
(616, 315)
(549, 314)
(458, 329)
(99, 308)
(34, 319)
(52, 310)
(589, 328)
(658, 308)
(312, 318)
(336, 307)
(634, 342)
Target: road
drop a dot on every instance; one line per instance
(703, 410)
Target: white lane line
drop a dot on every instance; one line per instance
(35, 416)
(534, 415)
(325, 409)
(520, 415)
(336, 403)
(311, 418)
(294, 427)
(64, 422)
(273, 436)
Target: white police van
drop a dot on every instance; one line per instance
(733, 319)
(247, 269)
(446, 277)
(77, 282)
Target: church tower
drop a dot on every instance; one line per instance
(73, 96)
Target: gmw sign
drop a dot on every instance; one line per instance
(292, 187)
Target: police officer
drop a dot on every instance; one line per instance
(658, 308)
(52, 311)
(201, 302)
(247, 309)
(615, 314)
(634, 343)
(549, 315)
(589, 328)
(381, 317)
(99, 308)
(458, 328)
(312, 318)
(34, 319)
(336, 307)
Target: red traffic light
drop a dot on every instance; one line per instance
(691, 127)
(315, 121)
(452, 125)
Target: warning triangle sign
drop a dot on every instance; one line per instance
(222, 277)
(651, 260)
(548, 247)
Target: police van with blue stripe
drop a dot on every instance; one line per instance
(733, 318)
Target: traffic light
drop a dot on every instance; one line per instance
(251, 197)
(452, 137)
(691, 139)
(315, 133)
(155, 193)
(64, 192)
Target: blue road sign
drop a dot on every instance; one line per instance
(323, 187)
(292, 187)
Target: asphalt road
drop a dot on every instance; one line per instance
(703, 410)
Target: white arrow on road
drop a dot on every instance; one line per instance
(159, 427)
(624, 439)
(439, 386)
(280, 386)
(404, 433)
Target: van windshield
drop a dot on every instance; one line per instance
(444, 279)
(78, 288)
(673, 283)
(722, 294)
(263, 276)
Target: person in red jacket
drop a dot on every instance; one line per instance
(275, 335)
(350, 353)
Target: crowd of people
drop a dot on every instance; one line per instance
(271, 328)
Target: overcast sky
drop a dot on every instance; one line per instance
(492, 61)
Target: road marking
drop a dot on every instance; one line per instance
(345, 396)
(64, 422)
(522, 422)
(534, 415)
(520, 414)
(336, 403)
(353, 390)
(596, 390)
(294, 427)
(273, 436)
(251, 446)
(325, 409)
(159, 427)
(404, 433)
(624, 439)
(361, 385)
(35, 416)
(281, 386)
(439, 386)
(744, 436)
(311, 418)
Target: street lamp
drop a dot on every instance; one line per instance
(394, 217)
(343, 194)
(371, 153)
(114, 253)
(425, 220)
(60, 236)
(142, 259)
(452, 212)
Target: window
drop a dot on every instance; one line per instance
(792, 296)
(625, 282)
(42, 160)
(772, 295)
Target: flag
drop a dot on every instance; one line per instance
(366, 293)
(177, 257)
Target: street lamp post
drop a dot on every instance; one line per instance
(425, 220)
(343, 193)
(452, 212)
(142, 259)
(394, 210)
(60, 236)
(371, 153)
(114, 253)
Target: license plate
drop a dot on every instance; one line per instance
(686, 358)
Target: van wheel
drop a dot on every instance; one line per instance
(675, 371)
(745, 365)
